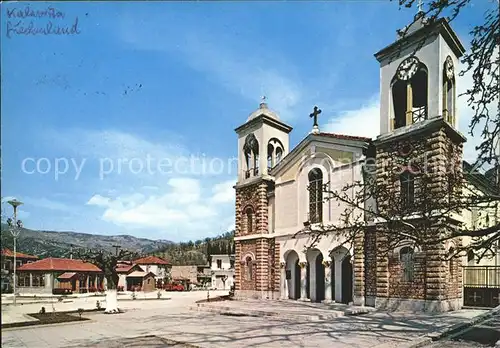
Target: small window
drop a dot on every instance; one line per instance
(407, 263)
(315, 195)
(249, 213)
(219, 264)
(407, 181)
(249, 268)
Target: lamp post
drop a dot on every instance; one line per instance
(15, 229)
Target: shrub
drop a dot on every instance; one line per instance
(61, 291)
(42, 310)
(80, 311)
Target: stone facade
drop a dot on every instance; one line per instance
(435, 151)
(256, 266)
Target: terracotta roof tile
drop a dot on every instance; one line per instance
(10, 253)
(55, 264)
(151, 260)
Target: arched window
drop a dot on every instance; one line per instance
(449, 90)
(419, 95)
(407, 181)
(270, 151)
(249, 268)
(407, 263)
(279, 154)
(251, 153)
(409, 93)
(315, 195)
(249, 222)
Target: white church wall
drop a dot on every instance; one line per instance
(285, 207)
(446, 51)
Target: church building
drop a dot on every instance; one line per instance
(280, 191)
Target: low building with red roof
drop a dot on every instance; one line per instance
(7, 266)
(21, 259)
(59, 275)
(158, 266)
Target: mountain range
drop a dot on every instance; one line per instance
(60, 244)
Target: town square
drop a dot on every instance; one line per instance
(251, 174)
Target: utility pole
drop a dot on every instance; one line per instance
(15, 229)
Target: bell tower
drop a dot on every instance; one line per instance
(418, 75)
(263, 141)
(418, 156)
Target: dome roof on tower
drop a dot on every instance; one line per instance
(263, 110)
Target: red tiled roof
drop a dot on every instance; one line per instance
(10, 253)
(343, 136)
(55, 264)
(151, 260)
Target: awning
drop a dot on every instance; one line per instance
(137, 274)
(67, 275)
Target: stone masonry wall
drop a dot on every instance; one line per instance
(254, 196)
(242, 282)
(434, 278)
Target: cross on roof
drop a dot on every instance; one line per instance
(420, 4)
(314, 114)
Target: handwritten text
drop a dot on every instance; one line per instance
(31, 22)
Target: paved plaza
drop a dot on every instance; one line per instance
(159, 323)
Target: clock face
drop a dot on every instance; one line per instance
(448, 65)
(407, 68)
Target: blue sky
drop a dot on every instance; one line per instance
(172, 80)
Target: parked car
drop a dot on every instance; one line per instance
(174, 287)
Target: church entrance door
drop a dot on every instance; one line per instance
(346, 280)
(320, 278)
(296, 281)
(292, 271)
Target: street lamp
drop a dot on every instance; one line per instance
(15, 228)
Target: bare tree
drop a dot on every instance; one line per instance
(107, 262)
(482, 60)
(428, 218)
(428, 215)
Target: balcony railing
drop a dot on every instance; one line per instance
(419, 114)
(251, 172)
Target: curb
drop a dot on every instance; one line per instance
(264, 314)
(440, 334)
(48, 325)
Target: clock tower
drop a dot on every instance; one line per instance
(419, 139)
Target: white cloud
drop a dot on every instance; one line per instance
(224, 192)
(182, 206)
(363, 121)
